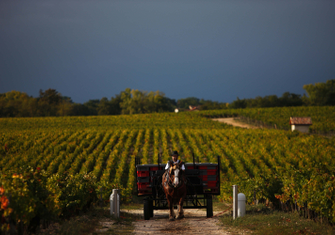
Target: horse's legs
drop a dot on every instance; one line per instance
(172, 215)
(180, 209)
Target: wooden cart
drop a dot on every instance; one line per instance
(203, 181)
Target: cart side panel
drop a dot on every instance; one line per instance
(209, 174)
(143, 180)
(144, 175)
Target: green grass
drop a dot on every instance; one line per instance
(220, 206)
(132, 206)
(135, 204)
(263, 220)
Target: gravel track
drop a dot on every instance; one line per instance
(231, 121)
(195, 222)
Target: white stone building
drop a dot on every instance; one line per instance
(300, 124)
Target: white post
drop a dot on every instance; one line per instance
(235, 201)
(241, 205)
(115, 203)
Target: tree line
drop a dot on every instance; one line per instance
(52, 103)
(319, 94)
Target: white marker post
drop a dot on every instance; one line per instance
(115, 203)
(241, 205)
(235, 201)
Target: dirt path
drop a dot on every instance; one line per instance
(231, 121)
(195, 222)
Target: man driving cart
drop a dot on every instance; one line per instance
(174, 161)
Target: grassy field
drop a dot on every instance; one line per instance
(263, 221)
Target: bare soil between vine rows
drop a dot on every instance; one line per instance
(231, 121)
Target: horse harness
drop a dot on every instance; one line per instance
(168, 172)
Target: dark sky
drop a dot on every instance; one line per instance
(218, 50)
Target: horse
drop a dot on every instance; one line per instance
(174, 185)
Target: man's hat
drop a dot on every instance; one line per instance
(175, 153)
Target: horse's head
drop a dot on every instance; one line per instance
(175, 173)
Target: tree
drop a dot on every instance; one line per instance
(135, 101)
(321, 93)
(287, 99)
(115, 105)
(190, 101)
(104, 107)
(239, 104)
(48, 102)
(126, 102)
(64, 108)
(50, 96)
(15, 104)
(211, 105)
(157, 102)
(290, 99)
(167, 105)
(92, 106)
(79, 110)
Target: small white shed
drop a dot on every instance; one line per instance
(300, 124)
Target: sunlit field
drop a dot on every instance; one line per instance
(57, 166)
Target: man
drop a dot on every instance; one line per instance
(175, 161)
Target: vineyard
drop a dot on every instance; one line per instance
(323, 117)
(57, 167)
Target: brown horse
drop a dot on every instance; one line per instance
(174, 185)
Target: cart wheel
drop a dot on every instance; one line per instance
(209, 206)
(151, 209)
(146, 209)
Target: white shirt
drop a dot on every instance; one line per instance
(168, 165)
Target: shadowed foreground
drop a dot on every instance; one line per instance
(195, 222)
